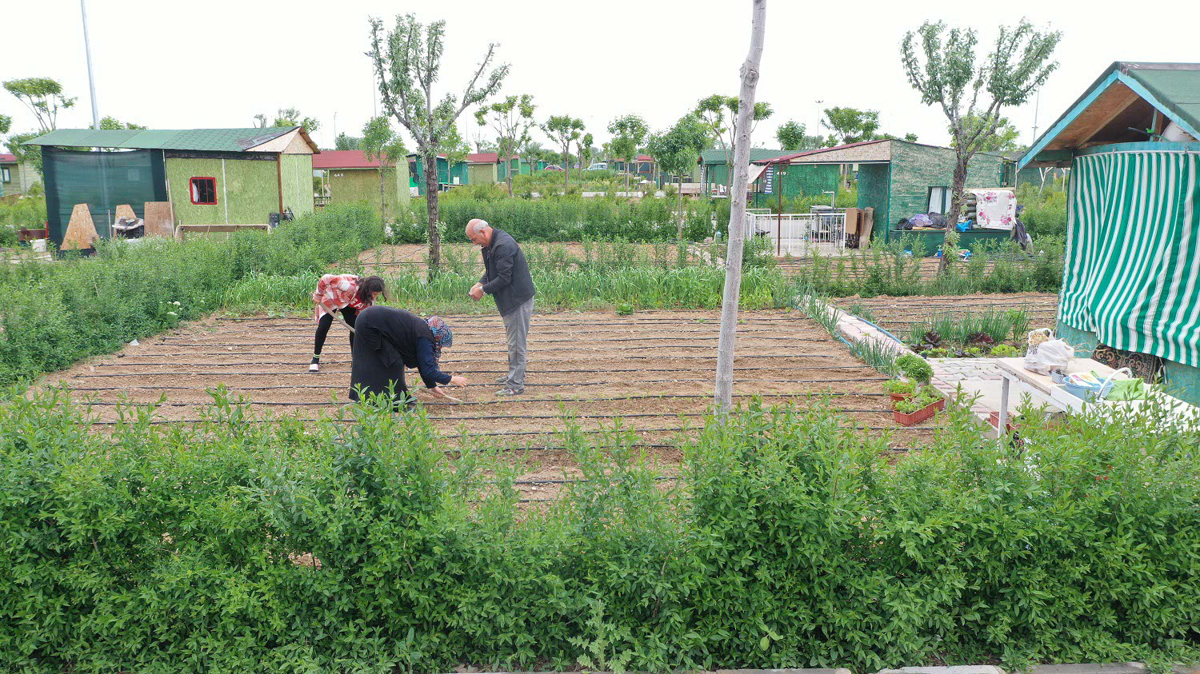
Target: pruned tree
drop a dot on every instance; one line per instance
(675, 151)
(407, 62)
(850, 125)
(380, 142)
(629, 132)
(790, 135)
(564, 130)
(942, 67)
(723, 393)
(346, 142)
(511, 119)
(111, 123)
(44, 98)
(586, 149)
(288, 117)
(719, 113)
(1002, 138)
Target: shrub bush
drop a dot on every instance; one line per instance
(790, 541)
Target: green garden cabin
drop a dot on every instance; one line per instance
(899, 179)
(348, 176)
(1131, 282)
(16, 177)
(207, 176)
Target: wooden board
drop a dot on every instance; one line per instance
(853, 217)
(864, 239)
(181, 230)
(124, 211)
(158, 219)
(81, 232)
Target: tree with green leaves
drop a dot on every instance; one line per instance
(586, 149)
(564, 130)
(5, 123)
(719, 114)
(407, 62)
(111, 123)
(44, 98)
(1002, 138)
(850, 125)
(511, 119)
(793, 137)
(345, 142)
(288, 117)
(629, 132)
(675, 152)
(942, 67)
(381, 142)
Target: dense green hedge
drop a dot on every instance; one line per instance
(570, 218)
(790, 542)
(58, 312)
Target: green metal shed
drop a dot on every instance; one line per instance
(209, 176)
(1130, 283)
(899, 178)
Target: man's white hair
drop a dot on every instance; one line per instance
(478, 224)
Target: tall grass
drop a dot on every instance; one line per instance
(59, 312)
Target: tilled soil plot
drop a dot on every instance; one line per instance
(898, 314)
(651, 372)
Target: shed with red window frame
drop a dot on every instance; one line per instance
(219, 177)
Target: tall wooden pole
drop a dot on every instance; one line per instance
(737, 214)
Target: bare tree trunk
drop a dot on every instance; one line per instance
(960, 181)
(382, 199)
(737, 215)
(431, 207)
(508, 172)
(679, 206)
(567, 168)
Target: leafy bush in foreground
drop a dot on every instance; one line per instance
(268, 547)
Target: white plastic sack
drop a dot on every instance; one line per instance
(1048, 356)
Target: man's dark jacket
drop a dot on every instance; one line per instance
(506, 273)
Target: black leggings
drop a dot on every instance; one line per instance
(323, 328)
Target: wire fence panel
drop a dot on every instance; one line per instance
(801, 234)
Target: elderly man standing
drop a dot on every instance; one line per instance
(506, 278)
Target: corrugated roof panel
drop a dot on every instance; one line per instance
(197, 140)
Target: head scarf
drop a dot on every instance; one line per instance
(442, 335)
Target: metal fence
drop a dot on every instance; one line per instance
(801, 234)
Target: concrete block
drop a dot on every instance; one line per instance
(839, 670)
(959, 669)
(1091, 668)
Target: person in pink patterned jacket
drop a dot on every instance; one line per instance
(344, 293)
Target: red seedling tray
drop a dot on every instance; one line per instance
(914, 418)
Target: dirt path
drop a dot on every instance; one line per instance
(651, 373)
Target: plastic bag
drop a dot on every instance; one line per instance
(1049, 356)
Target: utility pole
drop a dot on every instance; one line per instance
(737, 215)
(1036, 104)
(87, 48)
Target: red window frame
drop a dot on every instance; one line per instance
(192, 191)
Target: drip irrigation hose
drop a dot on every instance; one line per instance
(339, 387)
(306, 373)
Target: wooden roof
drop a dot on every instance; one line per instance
(1125, 104)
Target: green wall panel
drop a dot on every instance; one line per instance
(916, 168)
(296, 170)
(249, 190)
(873, 193)
(362, 185)
(481, 174)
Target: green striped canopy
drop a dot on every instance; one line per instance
(1133, 252)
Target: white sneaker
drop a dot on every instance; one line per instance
(314, 367)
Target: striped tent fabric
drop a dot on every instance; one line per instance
(1132, 272)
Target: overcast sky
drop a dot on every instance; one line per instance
(171, 65)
